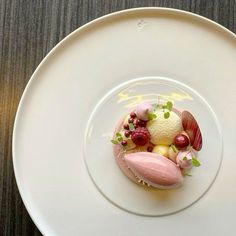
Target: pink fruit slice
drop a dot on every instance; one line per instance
(191, 127)
(155, 170)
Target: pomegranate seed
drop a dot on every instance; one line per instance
(124, 143)
(126, 126)
(132, 115)
(130, 120)
(149, 148)
(127, 133)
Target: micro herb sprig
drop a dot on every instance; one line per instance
(151, 116)
(118, 138)
(167, 107)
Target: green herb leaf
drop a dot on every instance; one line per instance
(114, 141)
(184, 158)
(174, 148)
(195, 162)
(151, 116)
(187, 174)
(120, 139)
(169, 105)
(131, 127)
(118, 135)
(164, 107)
(167, 115)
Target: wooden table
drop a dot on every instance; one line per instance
(29, 29)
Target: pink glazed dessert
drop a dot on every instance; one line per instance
(157, 145)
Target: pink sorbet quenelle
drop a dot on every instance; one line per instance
(155, 170)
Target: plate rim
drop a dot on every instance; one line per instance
(41, 228)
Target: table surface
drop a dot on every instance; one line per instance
(28, 31)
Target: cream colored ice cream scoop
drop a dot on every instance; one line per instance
(164, 130)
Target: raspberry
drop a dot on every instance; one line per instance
(140, 136)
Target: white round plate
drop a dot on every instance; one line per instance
(50, 123)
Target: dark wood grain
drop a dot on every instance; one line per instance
(28, 31)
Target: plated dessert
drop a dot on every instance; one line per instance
(157, 145)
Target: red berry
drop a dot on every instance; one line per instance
(130, 120)
(126, 126)
(127, 133)
(149, 148)
(124, 143)
(132, 115)
(140, 136)
(181, 141)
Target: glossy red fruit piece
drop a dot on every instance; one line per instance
(149, 148)
(124, 143)
(191, 127)
(140, 136)
(181, 141)
(126, 126)
(127, 133)
(132, 114)
(130, 120)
